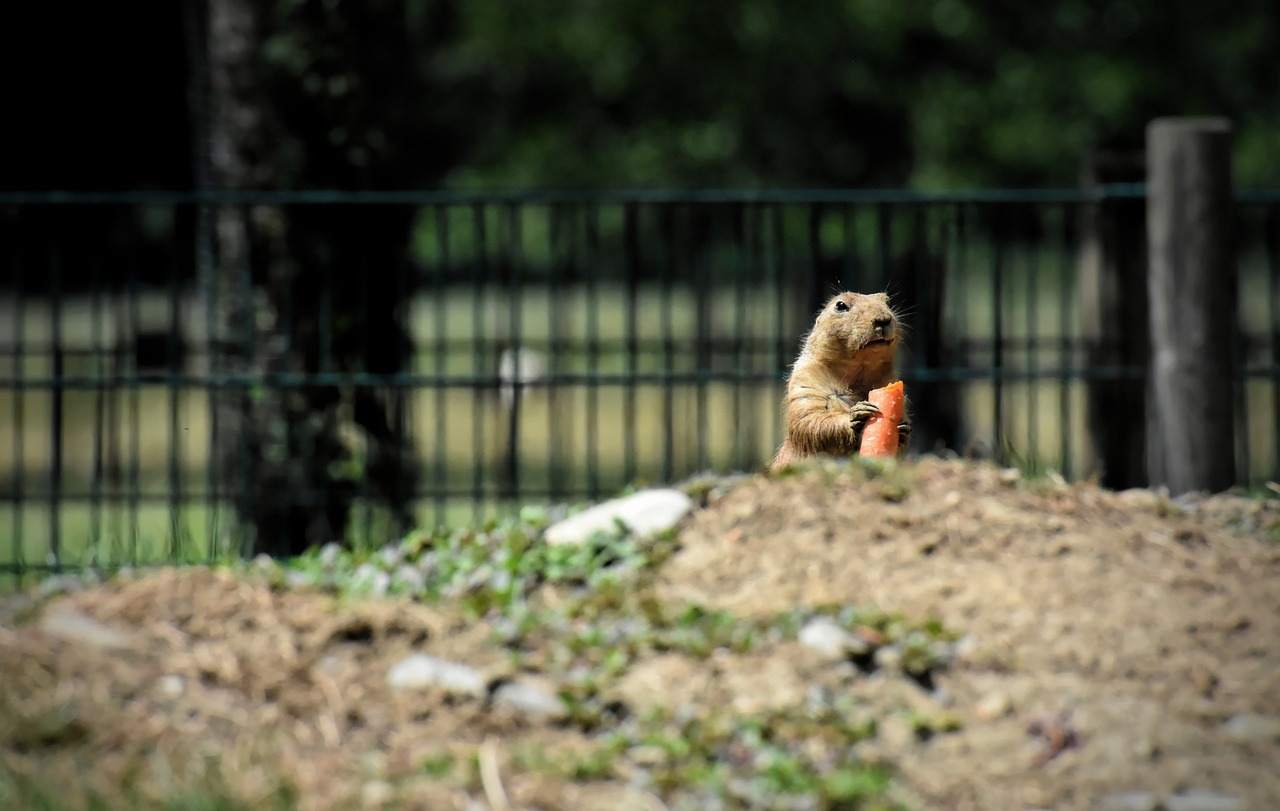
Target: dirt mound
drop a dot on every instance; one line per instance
(1094, 644)
(250, 693)
(1141, 623)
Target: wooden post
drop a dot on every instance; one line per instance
(1192, 280)
(1114, 324)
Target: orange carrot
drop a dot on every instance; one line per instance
(880, 436)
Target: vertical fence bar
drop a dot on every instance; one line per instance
(884, 245)
(591, 215)
(754, 247)
(849, 277)
(479, 365)
(630, 261)
(114, 450)
(442, 271)
(97, 351)
(1271, 243)
(962, 340)
(556, 262)
(293, 504)
(1067, 360)
(242, 370)
(934, 277)
(1032, 364)
(510, 270)
(702, 235)
(19, 417)
(207, 285)
(134, 487)
(817, 292)
(911, 297)
(174, 334)
(363, 491)
(55, 414)
(997, 344)
(1243, 463)
(405, 497)
(740, 271)
(666, 261)
(1240, 395)
(784, 343)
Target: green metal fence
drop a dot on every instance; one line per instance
(510, 349)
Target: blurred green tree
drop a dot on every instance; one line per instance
(925, 93)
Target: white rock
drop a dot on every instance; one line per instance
(61, 584)
(172, 685)
(411, 578)
(826, 637)
(530, 699)
(76, 627)
(1202, 801)
(390, 556)
(1129, 801)
(377, 794)
(643, 513)
(329, 553)
(888, 658)
(993, 705)
(372, 579)
(420, 670)
(1253, 728)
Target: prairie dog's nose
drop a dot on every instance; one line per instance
(883, 327)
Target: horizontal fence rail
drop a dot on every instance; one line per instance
(189, 375)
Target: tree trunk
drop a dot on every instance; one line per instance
(288, 292)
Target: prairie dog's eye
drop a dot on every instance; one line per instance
(841, 307)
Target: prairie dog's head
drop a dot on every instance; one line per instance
(854, 322)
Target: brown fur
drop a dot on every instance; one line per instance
(843, 359)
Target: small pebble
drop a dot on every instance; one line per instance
(818, 698)
(888, 658)
(75, 627)
(374, 581)
(530, 699)
(390, 556)
(1253, 728)
(1129, 801)
(421, 670)
(411, 578)
(172, 685)
(329, 553)
(823, 635)
(60, 584)
(376, 794)
(1202, 801)
(993, 705)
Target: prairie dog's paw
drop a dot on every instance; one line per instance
(859, 413)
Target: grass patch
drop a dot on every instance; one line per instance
(29, 793)
(771, 760)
